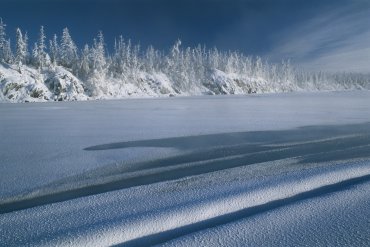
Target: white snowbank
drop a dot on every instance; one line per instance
(25, 84)
(56, 83)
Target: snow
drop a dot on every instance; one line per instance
(310, 222)
(273, 169)
(24, 83)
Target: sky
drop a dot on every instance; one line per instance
(331, 35)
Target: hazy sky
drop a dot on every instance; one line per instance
(317, 34)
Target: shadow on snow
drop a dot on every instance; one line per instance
(208, 153)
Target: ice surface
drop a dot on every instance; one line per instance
(222, 170)
(44, 142)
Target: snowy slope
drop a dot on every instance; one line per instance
(185, 171)
(25, 84)
(56, 83)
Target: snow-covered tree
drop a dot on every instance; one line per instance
(21, 49)
(98, 54)
(151, 59)
(117, 66)
(35, 54)
(287, 71)
(5, 49)
(258, 67)
(2, 40)
(68, 50)
(84, 67)
(54, 49)
(39, 54)
(8, 54)
(41, 40)
(26, 46)
(213, 58)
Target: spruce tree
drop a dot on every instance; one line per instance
(68, 50)
(54, 49)
(2, 40)
(41, 58)
(20, 53)
(98, 54)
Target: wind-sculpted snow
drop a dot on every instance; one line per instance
(187, 171)
(133, 217)
(338, 217)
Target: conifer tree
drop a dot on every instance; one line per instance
(54, 49)
(41, 58)
(27, 54)
(2, 39)
(21, 51)
(84, 67)
(68, 50)
(5, 49)
(98, 54)
(35, 54)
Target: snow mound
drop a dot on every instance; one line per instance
(64, 85)
(234, 83)
(143, 85)
(25, 84)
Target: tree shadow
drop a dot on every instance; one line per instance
(205, 154)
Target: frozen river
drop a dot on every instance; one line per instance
(274, 169)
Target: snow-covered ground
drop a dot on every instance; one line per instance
(24, 83)
(262, 170)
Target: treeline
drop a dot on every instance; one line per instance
(186, 68)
